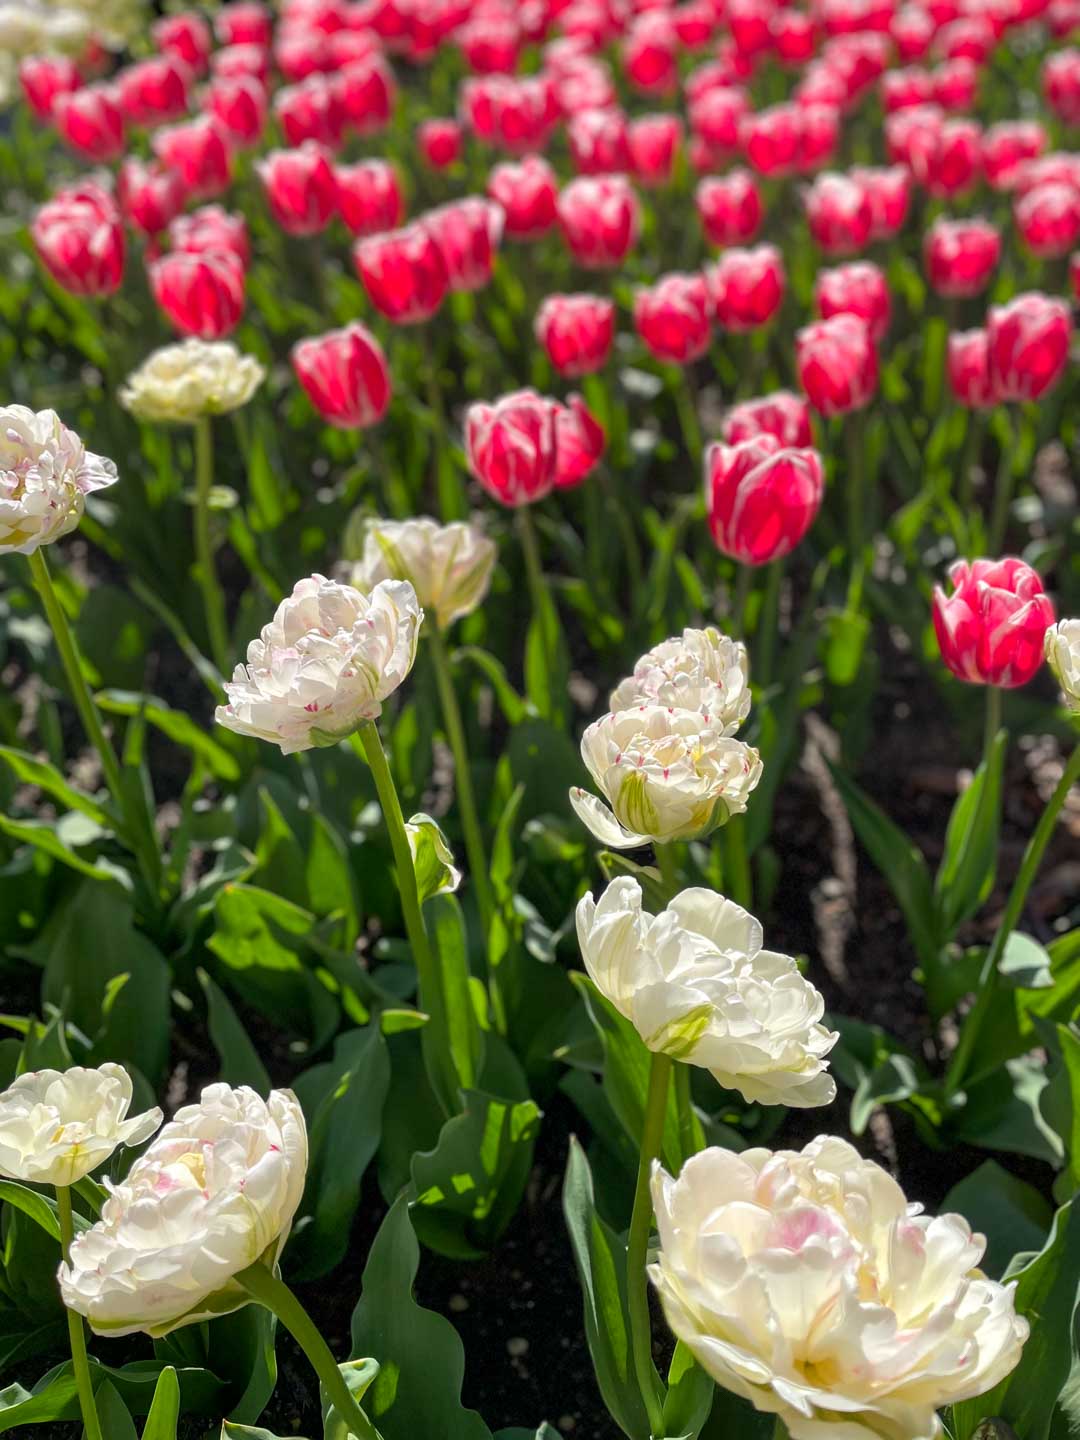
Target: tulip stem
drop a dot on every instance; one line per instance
(684, 385)
(988, 979)
(1003, 489)
(637, 1245)
(669, 870)
(744, 577)
(992, 723)
(76, 1334)
(213, 597)
(143, 845)
(434, 1037)
(274, 1295)
(855, 432)
(768, 624)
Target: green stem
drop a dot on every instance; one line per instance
(744, 577)
(539, 593)
(972, 453)
(768, 623)
(738, 882)
(667, 864)
(988, 979)
(686, 403)
(854, 432)
(637, 1281)
(76, 1333)
(1003, 491)
(274, 1295)
(684, 1109)
(992, 723)
(206, 574)
(437, 1056)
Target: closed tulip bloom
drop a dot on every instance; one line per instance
(215, 1192)
(514, 112)
(58, 1125)
(44, 78)
(244, 22)
(449, 566)
(652, 143)
(761, 497)
(1063, 657)
(960, 256)
(153, 90)
(198, 150)
(968, 368)
(694, 22)
(957, 160)
(772, 140)
(991, 630)
(748, 21)
(1028, 341)
(490, 44)
(1048, 219)
(46, 474)
(717, 116)
(838, 214)
(235, 60)
(311, 110)
(888, 193)
(403, 272)
(528, 192)
(912, 30)
(580, 442)
(805, 1282)
(729, 207)
(300, 187)
(858, 289)
(956, 85)
(439, 143)
(650, 54)
(701, 670)
(600, 219)
(794, 35)
(187, 36)
(781, 414)
(1057, 168)
(150, 196)
(696, 984)
(598, 142)
(324, 664)
(900, 89)
(240, 106)
(345, 375)
(577, 332)
(80, 240)
(673, 318)
(201, 295)
(837, 364)
(181, 383)
(1005, 148)
(369, 196)
(511, 446)
(1061, 84)
(467, 232)
(211, 228)
(91, 122)
(748, 287)
(664, 774)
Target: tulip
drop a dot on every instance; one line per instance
(528, 193)
(80, 241)
(957, 159)
(1048, 219)
(1057, 168)
(345, 375)
(201, 294)
(514, 112)
(234, 61)
(153, 90)
(960, 256)
(888, 193)
(968, 368)
(835, 1227)
(761, 497)
(367, 91)
(490, 45)
(781, 414)
(900, 89)
(511, 447)
(694, 23)
(600, 219)
(912, 30)
(311, 111)
(650, 53)
(1063, 657)
(90, 121)
(1006, 146)
(579, 443)
(1028, 341)
(1061, 84)
(403, 272)
(794, 36)
(300, 188)
(716, 116)
(369, 196)
(198, 150)
(468, 233)
(956, 85)
(652, 143)
(150, 196)
(856, 289)
(179, 384)
(238, 104)
(449, 566)
(46, 474)
(701, 670)
(837, 364)
(748, 287)
(577, 332)
(838, 214)
(243, 22)
(44, 78)
(582, 84)
(187, 36)
(598, 142)
(729, 207)
(748, 21)
(211, 228)
(439, 142)
(673, 318)
(790, 139)
(992, 629)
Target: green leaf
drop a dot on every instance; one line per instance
(31, 1202)
(240, 1063)
(733, 1418)
(359, 1376)
(1026, 965)
(514, 706)
(165, 1409)
(43, 836)
(433, 860)
(547, 662)
(446, 929)
(229, 1431)
(600, 1257)
(50, 781)
(176, 724)
(965, 876)
(689, 1396)
(417, 1393)
(116, 1422)
(1009, 1212)
(54, 1397)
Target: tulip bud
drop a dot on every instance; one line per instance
(153, 90)
(44, 78)
(90, 121)
(761, 497)
(717, 116)
(1063, 657)
(838, 214)
(781, 414)
(239, 106)
(251, 61)
(992, 629)
(748, 287)
(960, 256)
(80, 241)
(1006, 146)
(468, 233)
(511, 446)
(211, 228)
(440, 143)
(1061, 84)
(1028, 341)
(369, 196)
(311, 111)
(598, 142)
(652, 142)
(199, 152)
(403, 272)
(856, 289)
(650, 53)
(527, 191)
(300, 188)
(968, 366)
(729, 207)
(201, 295)
(579, 443)
(243, 22)
(449, 566)
(46, 474)
(150, 196)
(837, 364)
(888, 193)
(600, 219)
(187, 37)
(345, 375)
(577, 332)
(673, 319)
(1048, 219)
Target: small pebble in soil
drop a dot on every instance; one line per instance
(517, 1346)
(458, 1304)
(566, 1423)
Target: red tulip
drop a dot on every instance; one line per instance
(650, 54)
(858, 60)
(1057, 168)
(239, 105)
(198, 151)
(694, 22)
(762, 498)
(598, 142)
(91, 122)
(888, 193)
(584, 85)
(211, 228)
(912, 30)
(820, 85)
(956, 85)
(80, 240)
(1061, 85)
(528, 192)
(468, 233)
(599, 216)
(1048, 218)
(511, 446)
(969, 369)
(716, 118)
(300, 187)
(960, 256)
(367, 90)
(514, 112)
(729, 207)
(153, 90)
(439, 142)
(748, 21)
(837, 364)
(244, 22)
(579, 443)
(838, 213)
(991, 630)
(855, 289)
(369, 196)
(150, 196)
(1006, 146)
(794, 35)
(1028, 340)
(403, 272)
(311, 110)
(1062, 18)
(653, 142)
(783, 415)
(748, 286)
(237, 60)
(44, 78)
(491, 44)
(300, 52)
(577, 332)
(673, 319)
(772, 140)
(345, 375)
(201, 295)
(187, 36)
(1074, 275)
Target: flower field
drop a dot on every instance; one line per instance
(540, 735)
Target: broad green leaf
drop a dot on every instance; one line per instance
(689, 1396)
(446, 928)
(50, 781)
(965, 876)
(116, 1421)
(43, 835)
(39, 1207)
(733, 1418)
(229, 1431)
(1004, 1112)
(54, 1397)
(165, 1410)
(240, 1063)
(176, 724)
(1007, 1210)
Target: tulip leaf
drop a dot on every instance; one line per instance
(178, 725)
(40, 1208)
(418, 1389)
(164, 1409)
(689, 1396)
(116, 1421)
(51, 782)
(359, 1376)
(446, 927)
(1026, 965)
(240, 1063)
(965, 876)
(54, 1397)
(1007, 1210)
(733, 1418)
(513, 706)
(229, 1431)
(43, 835)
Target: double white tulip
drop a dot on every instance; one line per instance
(449, 566)
(183, 382)
(325, 663)
(46, 474)
(702, 670)
(697, 986)
(215, 1192)
(58, 1125)
(1063, 656)
(806, 1283)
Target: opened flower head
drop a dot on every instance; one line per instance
(1063, 657)
(46, 474)
(701, 670)
(183, 382)
(449, 566)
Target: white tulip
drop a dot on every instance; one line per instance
(214, 1193)
(696, 985)
(701, 670)
(183, 382)
(325, 663)
(666, 775)
(806, 1283)
(1063, 656)
(58, 1125)
(46, 474)
(449, 566)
